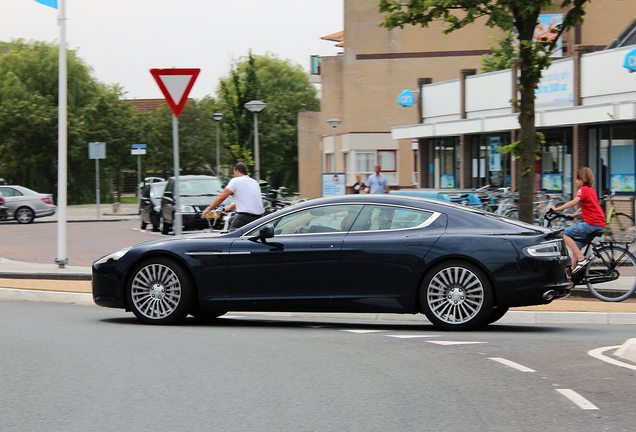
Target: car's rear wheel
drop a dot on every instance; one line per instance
(160, 291)
(24, 215)
(456, 296)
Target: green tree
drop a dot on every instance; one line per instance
(522, 15)
(501, 57)
(286, 90)
(195, 142)
(113, 121)
(28, 113)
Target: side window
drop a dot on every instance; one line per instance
(377, 218)
(10, 192)
(326, 219)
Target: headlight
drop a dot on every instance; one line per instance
(114, 256)
(547, 249)
(186, 209)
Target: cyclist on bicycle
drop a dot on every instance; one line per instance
(593, 217)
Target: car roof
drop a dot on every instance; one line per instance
(464, 213)
(195, 177)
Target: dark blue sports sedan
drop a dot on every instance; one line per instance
(461, 267)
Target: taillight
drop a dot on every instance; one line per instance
(1, 200)
(47, 201)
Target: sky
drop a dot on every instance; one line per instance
(121, 40)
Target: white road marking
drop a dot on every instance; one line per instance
(362, 331)
(411, 336)
(599, 353)
(579, 400)
(512, 364)
(454, 342)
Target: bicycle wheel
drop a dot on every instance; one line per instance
(611, 276)
(622, 228)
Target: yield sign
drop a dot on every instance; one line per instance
(175, 84)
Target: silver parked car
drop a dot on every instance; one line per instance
(25, 204)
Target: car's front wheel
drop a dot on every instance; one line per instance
(456, 296)
(24, 215)
(160, 291)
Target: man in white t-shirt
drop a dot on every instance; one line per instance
(247, 198)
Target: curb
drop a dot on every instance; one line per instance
(512, 317)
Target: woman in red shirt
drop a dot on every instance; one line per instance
(593, 217)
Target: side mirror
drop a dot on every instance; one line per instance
(264, 233)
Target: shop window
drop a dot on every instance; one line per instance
(446, 162)
(365, 163)
(387, 162)
(329, 162)
(616, 160)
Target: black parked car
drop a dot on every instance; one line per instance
(150, 205)
(355, 253)
(196, 193)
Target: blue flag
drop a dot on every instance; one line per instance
(52, 3)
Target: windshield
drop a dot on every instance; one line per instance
(204, 187)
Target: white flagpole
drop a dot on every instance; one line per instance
(62, 141)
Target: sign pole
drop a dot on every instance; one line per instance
(139, 179)
(176, 194)
(62, 259)
(97, 151)
(97, 184)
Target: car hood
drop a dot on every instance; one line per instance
(200, 201)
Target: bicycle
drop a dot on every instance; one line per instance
(623, 223)
(611, 273)
(219, 220)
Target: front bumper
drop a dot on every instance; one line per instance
(108, 287)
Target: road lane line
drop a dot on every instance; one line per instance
(579, 400)
(512, 364)
(411, 336)
(362, 331)
(599, 353)
(454, 342)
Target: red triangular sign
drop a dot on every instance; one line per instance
(175, 84)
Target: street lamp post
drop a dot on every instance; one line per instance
(334, 123)
(218, 117)
(256, 106)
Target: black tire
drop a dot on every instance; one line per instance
(512, 214)
(24, 215)
(456, 295)
(159, 291)
(617, 266)
(165, 228)
(156, 223)
(496, 314)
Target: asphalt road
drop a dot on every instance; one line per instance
(79, 368)
(86, 241)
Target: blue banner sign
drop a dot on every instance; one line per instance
(406, 98)
(630, 60)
